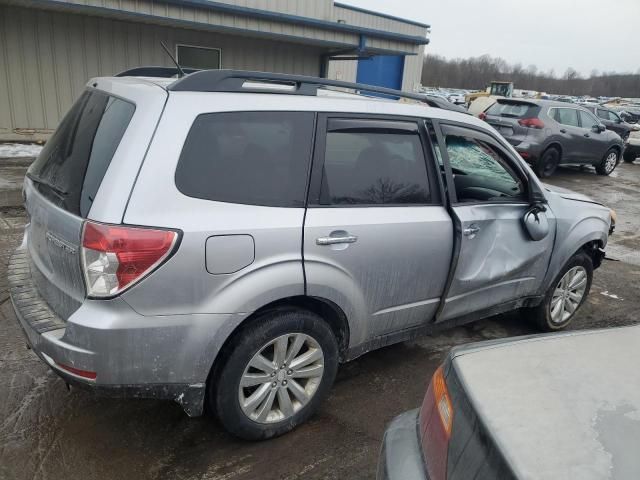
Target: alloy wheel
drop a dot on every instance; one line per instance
(281, 378)
(568, 295)
(611, 162)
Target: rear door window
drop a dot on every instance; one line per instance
(613, 116)
(72, 164)
(567, 116)
(372, 163)
(252, 158)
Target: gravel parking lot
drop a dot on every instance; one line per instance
(47, 432)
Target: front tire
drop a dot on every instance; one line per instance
(566, 295)
(609, 162)
(548, 163)
(277, 372)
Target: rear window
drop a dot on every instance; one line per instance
(72, 164)
(252, 158)
(513, 110)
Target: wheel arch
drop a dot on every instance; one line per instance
(617, 148)
(554, 144)
(328, 310)
(591, 243)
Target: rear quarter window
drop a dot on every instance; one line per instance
(251, 158)
(73, 162)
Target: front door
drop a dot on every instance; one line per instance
(497, 261)
(594, 146)
(377, 239)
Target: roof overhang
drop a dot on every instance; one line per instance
(354, 40)
(150, 15)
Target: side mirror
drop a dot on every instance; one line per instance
(536, 223)
(599, 128)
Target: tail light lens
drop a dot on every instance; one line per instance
(436, 421)
(482, 116)
(531, 123)
(115, 257)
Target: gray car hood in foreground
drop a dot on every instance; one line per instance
(568, 194)
(560, 406)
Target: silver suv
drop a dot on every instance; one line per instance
(228, 238)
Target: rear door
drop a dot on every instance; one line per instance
(497, 261)
(377, 239)
(60, 188)
(571, 133)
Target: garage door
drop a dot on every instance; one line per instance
(382, 71)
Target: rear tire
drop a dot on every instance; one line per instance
(609, 162)
(548, 162)
(561, 302)
(276, 396)
(629, 157)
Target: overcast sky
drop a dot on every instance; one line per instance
(583, 34)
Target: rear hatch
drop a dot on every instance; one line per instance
(60, 188)
(510, 118)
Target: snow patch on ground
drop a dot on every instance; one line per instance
(611, 295)
(16, 150)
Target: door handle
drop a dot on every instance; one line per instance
(563, 130)
(336, 240)
(471, 231)
(587, 135)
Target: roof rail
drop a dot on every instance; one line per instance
(161, 72)
(240, 81)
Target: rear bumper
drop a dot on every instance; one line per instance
(530, 152)
(401, 455)
(131, 355)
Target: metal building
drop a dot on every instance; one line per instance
(50, 48)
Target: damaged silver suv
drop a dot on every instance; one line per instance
(228, 238)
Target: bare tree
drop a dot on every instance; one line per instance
(478, 72)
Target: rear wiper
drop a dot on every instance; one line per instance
(56, 189)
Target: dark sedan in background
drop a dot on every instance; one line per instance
(559, 406)
(548, 134)
(612, 121)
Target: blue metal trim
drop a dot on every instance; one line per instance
(383, 15)
(362, 44)
(167, 21)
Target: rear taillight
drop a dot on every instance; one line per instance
(436, 421)
(115, 257)
(531, 123)
(80, 373)
(482, 116)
